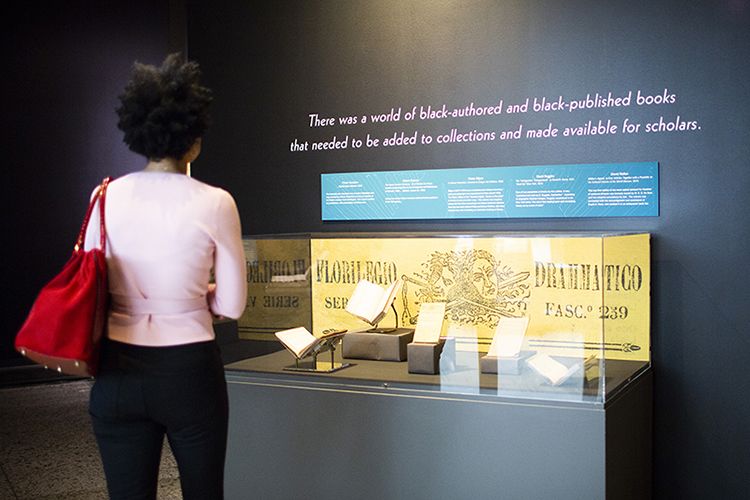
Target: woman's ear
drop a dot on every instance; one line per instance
(194, 151)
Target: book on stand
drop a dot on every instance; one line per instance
(370, 302)
(301, 343)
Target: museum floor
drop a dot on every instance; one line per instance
(47, 450)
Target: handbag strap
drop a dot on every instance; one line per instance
(101, 197)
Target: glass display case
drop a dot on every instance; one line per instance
(550, 316)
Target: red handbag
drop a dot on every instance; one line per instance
(64, 328)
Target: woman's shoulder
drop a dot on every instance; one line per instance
(168, 186)
(209, 189)
(164, 179)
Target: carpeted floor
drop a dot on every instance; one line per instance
(47, 448)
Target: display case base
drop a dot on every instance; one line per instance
(424, 358)
(377, 346)
(611, 442)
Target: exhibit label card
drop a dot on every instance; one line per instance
(429, 323)
(590, 190)
(508, 338)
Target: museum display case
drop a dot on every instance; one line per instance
(500, 350)
(535, 316)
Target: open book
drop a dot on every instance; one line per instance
(300, 342)
(554, 371)
(370, 302)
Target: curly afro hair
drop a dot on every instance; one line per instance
(164, 110)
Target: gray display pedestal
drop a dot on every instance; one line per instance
(306, 436)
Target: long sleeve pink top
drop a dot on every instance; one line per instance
(165, 233)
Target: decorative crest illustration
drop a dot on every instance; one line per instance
(477, 290)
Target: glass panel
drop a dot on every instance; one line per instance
(626, 307)
(278, 286)
(565, 330)
(537, 316)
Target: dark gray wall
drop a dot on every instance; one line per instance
(65, 64)
(273, 63)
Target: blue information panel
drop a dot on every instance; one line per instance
(590, 190)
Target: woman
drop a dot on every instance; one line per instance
(161, 373)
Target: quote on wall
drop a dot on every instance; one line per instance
(359, 130)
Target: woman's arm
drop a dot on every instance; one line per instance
(229, 295)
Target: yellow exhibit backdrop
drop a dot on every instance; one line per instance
(627, 297)
(582, 295)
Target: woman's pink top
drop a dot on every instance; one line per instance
(166, 232)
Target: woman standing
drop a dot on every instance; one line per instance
(167, 234)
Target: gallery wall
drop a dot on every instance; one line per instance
(274, 64)
(65, 64)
